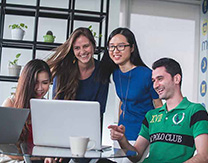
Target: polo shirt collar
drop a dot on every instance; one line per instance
(182, 105)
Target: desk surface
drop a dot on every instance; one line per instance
(30, 150)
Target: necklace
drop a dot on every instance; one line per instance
(127, 91)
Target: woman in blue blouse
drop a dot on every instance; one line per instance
(132, 79)
(74, 70)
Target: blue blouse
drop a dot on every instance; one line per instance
(90, 89)
(135, 90)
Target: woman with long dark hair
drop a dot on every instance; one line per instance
(75, 71)
(34, 82)
(132, 80)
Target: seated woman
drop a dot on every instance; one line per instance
(34, 82)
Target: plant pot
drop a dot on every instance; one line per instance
(17, 33)
(49, 38)
(14, 70)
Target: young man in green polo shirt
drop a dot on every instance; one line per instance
(173, 131)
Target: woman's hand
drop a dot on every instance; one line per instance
(52, 160)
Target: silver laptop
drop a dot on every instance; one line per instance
(12, 121)
(53, 121)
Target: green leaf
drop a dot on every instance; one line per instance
(14, 26)
(22, 25)
(94, 34)
(15, 61)
(11, 63)
(18, 55)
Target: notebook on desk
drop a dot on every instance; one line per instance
(12, 121)
(53, 121)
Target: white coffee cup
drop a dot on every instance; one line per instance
(79, 145)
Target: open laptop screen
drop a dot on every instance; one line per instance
(12, 121)
(53, 121)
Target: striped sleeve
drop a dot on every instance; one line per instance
(199, 121)
(144, 132)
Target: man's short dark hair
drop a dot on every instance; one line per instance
(172, 67)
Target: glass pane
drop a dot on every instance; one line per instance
(44, 55)
(8, 88)
(57, 26)
(11, 19)
(22, 2)
(90, 5)
(56, 4)
(8, 54)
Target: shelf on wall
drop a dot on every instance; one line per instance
(22, 44)
(9, 78)
(16, 7)
(25, 10)
(28, 44)
(17, 44)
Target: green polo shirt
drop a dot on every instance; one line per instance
(171, 134)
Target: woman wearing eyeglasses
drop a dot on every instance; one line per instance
(132, 79)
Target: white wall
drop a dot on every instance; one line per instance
(167, 29)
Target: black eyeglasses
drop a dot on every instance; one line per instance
(118, 47)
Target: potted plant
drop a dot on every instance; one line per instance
(18, 31)
(14, 68)
(49, 37)
(94, 33)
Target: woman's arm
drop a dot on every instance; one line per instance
(8, 103)
(120, 111)
(102, 95)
